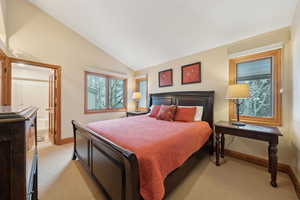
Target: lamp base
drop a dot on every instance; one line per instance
(136, 105)
(238, 123)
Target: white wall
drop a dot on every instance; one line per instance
(296, 84)
(34, 35)
(30, 86)
(30, 72)
(32, 93)
(215, 77)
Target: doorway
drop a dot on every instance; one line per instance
(35, 84)
(32, 85)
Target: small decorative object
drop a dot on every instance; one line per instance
(136, 96)
(236, 92)
(191, 73)
(165, 78)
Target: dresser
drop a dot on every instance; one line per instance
(18, 153)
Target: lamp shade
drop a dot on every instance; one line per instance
(136, 95)
(237, 91)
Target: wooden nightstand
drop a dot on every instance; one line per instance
(257, 132)
(135, 113)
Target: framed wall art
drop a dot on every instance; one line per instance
(191, 73)
(165, 78)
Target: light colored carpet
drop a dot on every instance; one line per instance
(60, 178)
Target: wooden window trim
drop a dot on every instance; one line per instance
(137, 81)
(87, 111)
(276, 120)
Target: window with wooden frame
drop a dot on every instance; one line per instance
(142, 87)
(262, 72)
(104, 93)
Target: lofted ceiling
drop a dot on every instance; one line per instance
(143, 33)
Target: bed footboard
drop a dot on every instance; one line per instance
(115, 169)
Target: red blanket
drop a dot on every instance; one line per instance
(160, 146)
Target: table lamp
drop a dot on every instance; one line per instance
(236, 92)
(136, 96)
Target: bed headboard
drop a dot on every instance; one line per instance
(190, 98)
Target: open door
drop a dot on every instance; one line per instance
(5, 80)
(51, 108)
(1, 78)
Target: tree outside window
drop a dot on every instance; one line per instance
(258, 75)
(142, 87)
(104, 93)
(262, 72)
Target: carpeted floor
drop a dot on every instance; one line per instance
(60, 178)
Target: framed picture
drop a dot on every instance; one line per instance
(191, 73)
(165, 78)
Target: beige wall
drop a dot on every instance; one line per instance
(34, 35)
(296, 85)
(2, 23)
(215, 77)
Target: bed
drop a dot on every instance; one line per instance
(115, 168)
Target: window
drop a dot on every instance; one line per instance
(104, 93)
(142, 87)
(262, 73)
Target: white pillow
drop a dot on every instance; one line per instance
(151, 107)
(198, 114)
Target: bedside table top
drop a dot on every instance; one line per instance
(250, 127)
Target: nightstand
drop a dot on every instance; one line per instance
(135, 113)
(257, 132)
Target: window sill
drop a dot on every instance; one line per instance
(105, 111)
(260, 121)
(142, 109)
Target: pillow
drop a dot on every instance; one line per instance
(166, 113)
(154, 110)
(199, 112)
(185, 114)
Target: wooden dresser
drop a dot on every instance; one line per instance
(18, 153)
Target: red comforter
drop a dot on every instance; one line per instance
(160, 146)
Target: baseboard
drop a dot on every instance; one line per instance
(295, 181)
(264, 162)
(66, 140)
(255, 160)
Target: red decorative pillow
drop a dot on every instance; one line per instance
(166, 113)
(185, 114)
(154, 111)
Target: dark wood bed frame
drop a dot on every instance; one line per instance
(115, 169)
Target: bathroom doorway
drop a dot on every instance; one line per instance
(32, 85)
(35, 84)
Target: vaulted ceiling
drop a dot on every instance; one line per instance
(143, 33)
